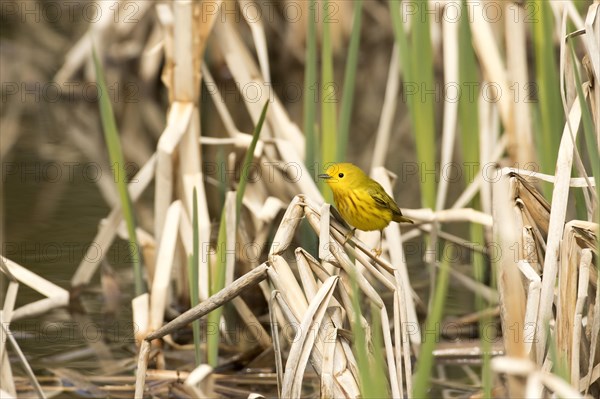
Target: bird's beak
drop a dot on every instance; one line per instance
(324, 176)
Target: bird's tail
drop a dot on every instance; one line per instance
(402, 219)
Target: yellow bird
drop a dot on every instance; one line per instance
(362, 201)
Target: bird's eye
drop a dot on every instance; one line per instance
(341, 175)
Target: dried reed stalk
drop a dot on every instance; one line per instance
(55, 295)
(512, 295)
(555, 228)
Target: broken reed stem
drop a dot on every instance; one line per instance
(140, 375)
(225, 295)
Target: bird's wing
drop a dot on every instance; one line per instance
(382, 199)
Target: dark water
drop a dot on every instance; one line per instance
(52, 209)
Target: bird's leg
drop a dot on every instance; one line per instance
(377, 251)
(348, 236)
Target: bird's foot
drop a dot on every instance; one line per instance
(377, 251)
(348, 236)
